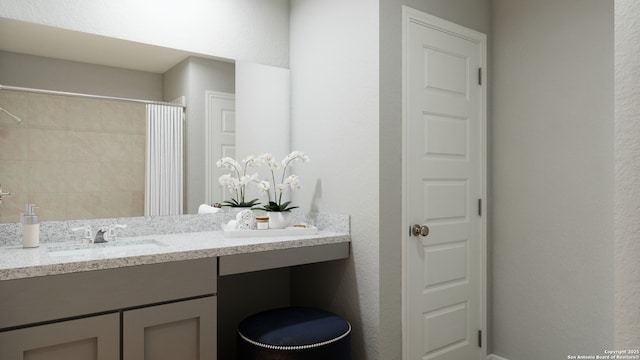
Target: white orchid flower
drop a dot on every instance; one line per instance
(225, 179)
(230, 182)
(278, 169)
(268, 159)
(235, 184)
(264, 186)
(295, 156)
(293, 181)
(251, 161)
(229, 163)
(246, 179)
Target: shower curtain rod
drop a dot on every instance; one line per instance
(87, 96)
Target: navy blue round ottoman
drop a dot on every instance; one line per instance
(294, 333)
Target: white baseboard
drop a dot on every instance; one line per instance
(495, 357)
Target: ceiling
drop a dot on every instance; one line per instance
(40, 40)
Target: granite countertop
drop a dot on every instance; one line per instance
(75, 256)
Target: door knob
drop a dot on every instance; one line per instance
(417, 230)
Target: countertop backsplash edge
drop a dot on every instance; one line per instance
(61, 231)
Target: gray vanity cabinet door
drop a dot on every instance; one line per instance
(95, 337)
(184, 330)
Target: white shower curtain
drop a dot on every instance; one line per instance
(164, 160)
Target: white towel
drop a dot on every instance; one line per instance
(206, 209)
(246, 220)
(243, 227)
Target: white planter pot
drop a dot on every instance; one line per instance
(280, 220)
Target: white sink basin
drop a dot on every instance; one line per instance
(104, 248)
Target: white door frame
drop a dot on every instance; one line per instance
(409, 15)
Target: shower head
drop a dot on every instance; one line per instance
(15, 118)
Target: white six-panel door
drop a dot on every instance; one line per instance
(444, 142)
(220, 141)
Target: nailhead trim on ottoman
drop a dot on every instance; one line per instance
(294, 333)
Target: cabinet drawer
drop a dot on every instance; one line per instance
(39, 299)
(242, 263)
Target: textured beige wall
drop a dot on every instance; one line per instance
(627, 174)
(74, 158)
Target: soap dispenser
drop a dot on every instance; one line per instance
(30, 227)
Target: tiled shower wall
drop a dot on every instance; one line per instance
(75, 158)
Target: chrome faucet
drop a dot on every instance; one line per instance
(3, 194)
(100, 236)
(103, 235)
(111, 234)
(87, 234)
(107, 233)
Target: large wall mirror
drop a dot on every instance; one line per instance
(80, 158)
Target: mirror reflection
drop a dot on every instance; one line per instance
(51, 159)
(79, 158)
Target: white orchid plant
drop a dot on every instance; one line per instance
(275, 203)
(238, 185)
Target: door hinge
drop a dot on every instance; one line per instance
(479, 76)
(479, 207)
(479, 338)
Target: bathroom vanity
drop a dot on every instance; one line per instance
(151, 296)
